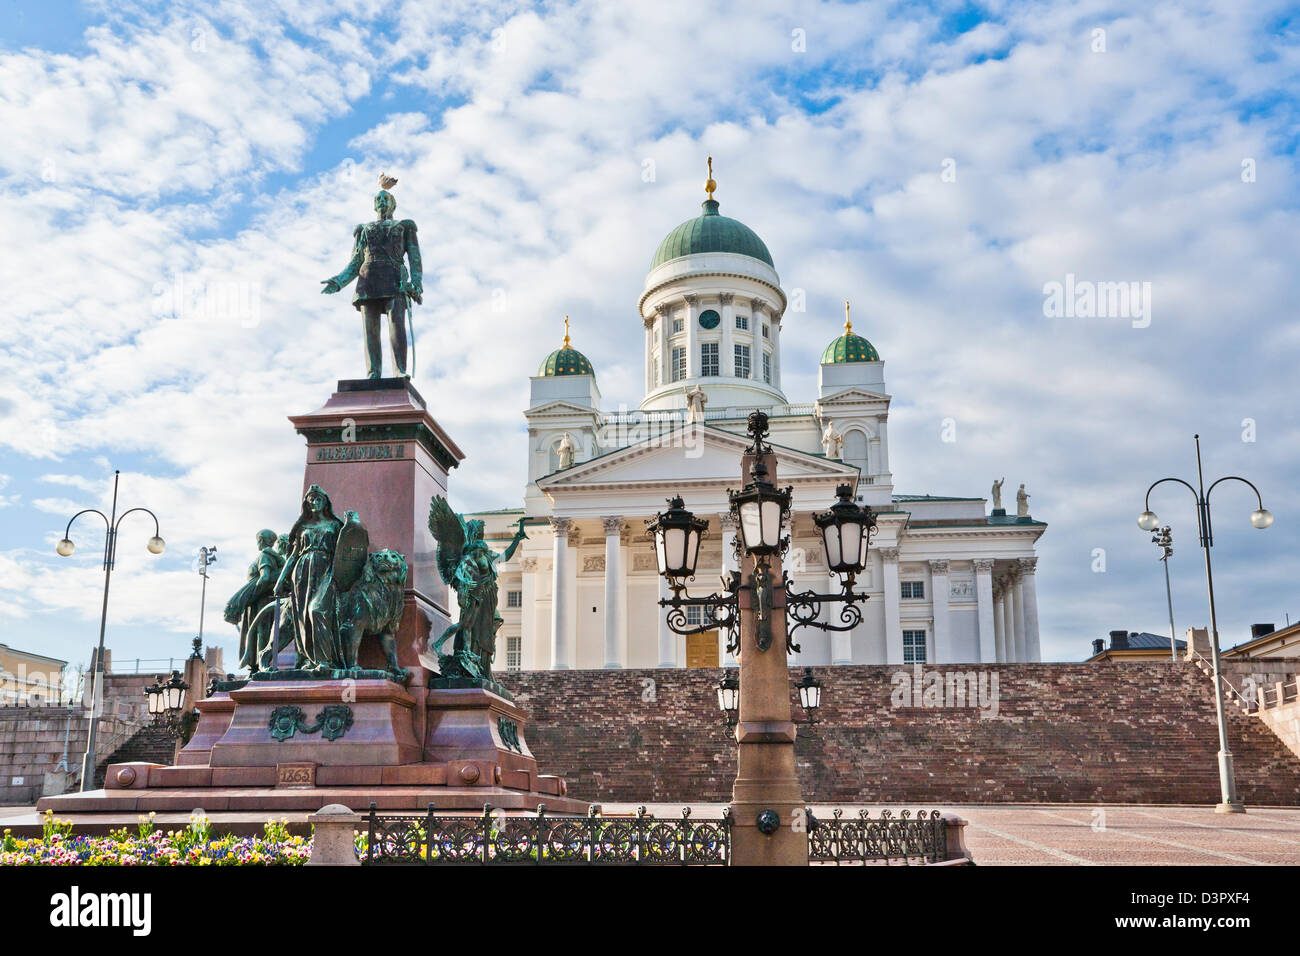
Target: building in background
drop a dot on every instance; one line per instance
(947, 581)
(27, 678)
(1135, 646)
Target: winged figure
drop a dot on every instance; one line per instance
(468, 565)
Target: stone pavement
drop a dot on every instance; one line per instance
(1109, 835)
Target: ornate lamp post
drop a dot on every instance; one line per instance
(759, 607)
(65, 547)
(165, 699)
(1261, 518)
(1165, 539)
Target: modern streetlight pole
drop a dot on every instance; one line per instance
(1166, 541)
(207, 558)
(65, 547)
(1261, 518)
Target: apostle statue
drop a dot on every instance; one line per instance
(997, 493)
(832, 441)
(564, 452)
(1022, 502)
(468, 565)
(383, 284)
(243, 609)
(695, 402)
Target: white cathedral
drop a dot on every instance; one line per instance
(947, 583)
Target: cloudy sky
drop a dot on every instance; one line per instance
(938, 164)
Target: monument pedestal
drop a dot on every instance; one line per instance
(281, 744)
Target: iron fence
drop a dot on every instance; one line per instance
(435, 839)
(884, 840)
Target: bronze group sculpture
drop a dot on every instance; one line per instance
(384, 286)
(243, 609)
(468, 565)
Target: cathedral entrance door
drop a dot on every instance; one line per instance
(702, 649)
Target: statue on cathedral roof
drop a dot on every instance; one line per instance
(695, 402)
(564, 452)
(997, 493)
(380, 251)
(1022, 502)
(832, 441)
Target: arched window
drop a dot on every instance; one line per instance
(855, 449)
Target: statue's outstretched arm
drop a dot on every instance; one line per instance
(520, 536)
(353, 267)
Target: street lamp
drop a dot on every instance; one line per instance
(207, 557)
(758, 606)
(65, 547)
(1165, 539)
(1261, 518)
(165, 699)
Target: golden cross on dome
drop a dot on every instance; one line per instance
(848, 326)
(566, 331)
(710, 185)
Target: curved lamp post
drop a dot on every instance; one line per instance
(1261, 518)
(65, 547)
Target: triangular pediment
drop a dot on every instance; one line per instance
(691, 454)
(559, 408)
(853, 395)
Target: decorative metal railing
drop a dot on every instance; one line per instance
(438, 839)
(886, 839)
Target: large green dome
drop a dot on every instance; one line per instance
(710, 232)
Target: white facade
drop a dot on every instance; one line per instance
(947, 583)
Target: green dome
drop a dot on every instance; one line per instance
(710, 232)
(566, 361)
(850, 347)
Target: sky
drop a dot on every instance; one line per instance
(177, 178)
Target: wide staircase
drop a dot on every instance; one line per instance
(1123, 732)
(149, 744)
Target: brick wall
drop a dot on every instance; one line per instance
(1131, 732)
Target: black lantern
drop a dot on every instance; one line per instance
(761, 508)
(810, 694)
(729, 698)
(677, 533)
(165, 698)
(846, 529)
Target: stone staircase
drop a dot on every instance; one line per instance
(149, 744)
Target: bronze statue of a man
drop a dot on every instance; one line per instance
(383, 283)
(243, 608)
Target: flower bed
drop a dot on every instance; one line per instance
(146, 845)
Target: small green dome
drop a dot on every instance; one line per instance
(849, 347)
(710, 232)
(566, 361)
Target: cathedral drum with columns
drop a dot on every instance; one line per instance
(947, 582)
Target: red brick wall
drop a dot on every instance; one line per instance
(1132, 732)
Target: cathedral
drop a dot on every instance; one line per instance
(947, 582)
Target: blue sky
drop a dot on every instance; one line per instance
(152, 147)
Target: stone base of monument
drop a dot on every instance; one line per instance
(264, 747)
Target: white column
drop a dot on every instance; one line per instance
(667, 639)
(664, 320)
(528, 616)
(756, 343)
(1018, 614)
(988, 648)
(692, 337)
(615, 594)
(893, 623)
(775, 334)
(727, 361)
(944, 652)
(1000, 623)
(1029, 592)
(649, 356)
(728, 525)
(562, 632)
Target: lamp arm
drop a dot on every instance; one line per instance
(1147, 503)
(83, 511)
(146, 511)
(1258, 498)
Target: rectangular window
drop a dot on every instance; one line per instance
(709, 358)
(742, 361)
(914, 590)
(914, 647)
(678, 325)
(767, 368)
(679, 364)
(514, 653)
(742, 322)
(694, 615)
(767, 331)
(514, 599)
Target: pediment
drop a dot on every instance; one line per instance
(853, 395)
(691, 455)
(559, 408)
